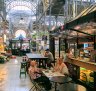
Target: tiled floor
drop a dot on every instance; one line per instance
(10, 80)
(9, 77)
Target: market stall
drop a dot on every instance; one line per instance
(20, 46)
(78, 33)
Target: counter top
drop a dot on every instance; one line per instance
(82, 63)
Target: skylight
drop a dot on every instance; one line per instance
(87, 0)
(21, 8)
(21, 5)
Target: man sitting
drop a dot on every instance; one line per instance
(50, 57)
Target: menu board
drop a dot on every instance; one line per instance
(85, 46)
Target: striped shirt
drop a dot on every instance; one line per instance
(33, 72)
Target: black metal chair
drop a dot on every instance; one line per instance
(37, 86)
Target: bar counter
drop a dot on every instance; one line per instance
(82, 63)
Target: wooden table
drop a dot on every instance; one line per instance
(38, 57)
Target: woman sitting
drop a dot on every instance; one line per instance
(61, 67)
(34, 73)
(33, 70)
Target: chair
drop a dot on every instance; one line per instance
(37, 86)
(23, 68)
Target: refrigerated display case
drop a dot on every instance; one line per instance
(87, 76)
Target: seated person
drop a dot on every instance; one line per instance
(34, 74)
(61, 67)
(33, 68)
(66, 56)
(50, 57)
(92, 55)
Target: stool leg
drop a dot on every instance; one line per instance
(25, 75)
(20, 74)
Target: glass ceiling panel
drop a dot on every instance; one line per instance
(21, 8)
(60, 21)
(21, 5)
(87, 0)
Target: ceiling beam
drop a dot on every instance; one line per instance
(81, 32)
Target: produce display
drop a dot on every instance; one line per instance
(86, 75)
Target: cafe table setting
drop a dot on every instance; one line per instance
(56, 77)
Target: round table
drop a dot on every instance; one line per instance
(80, 88)
(60, 80)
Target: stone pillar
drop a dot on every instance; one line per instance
(66, 45)
(52, 45)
